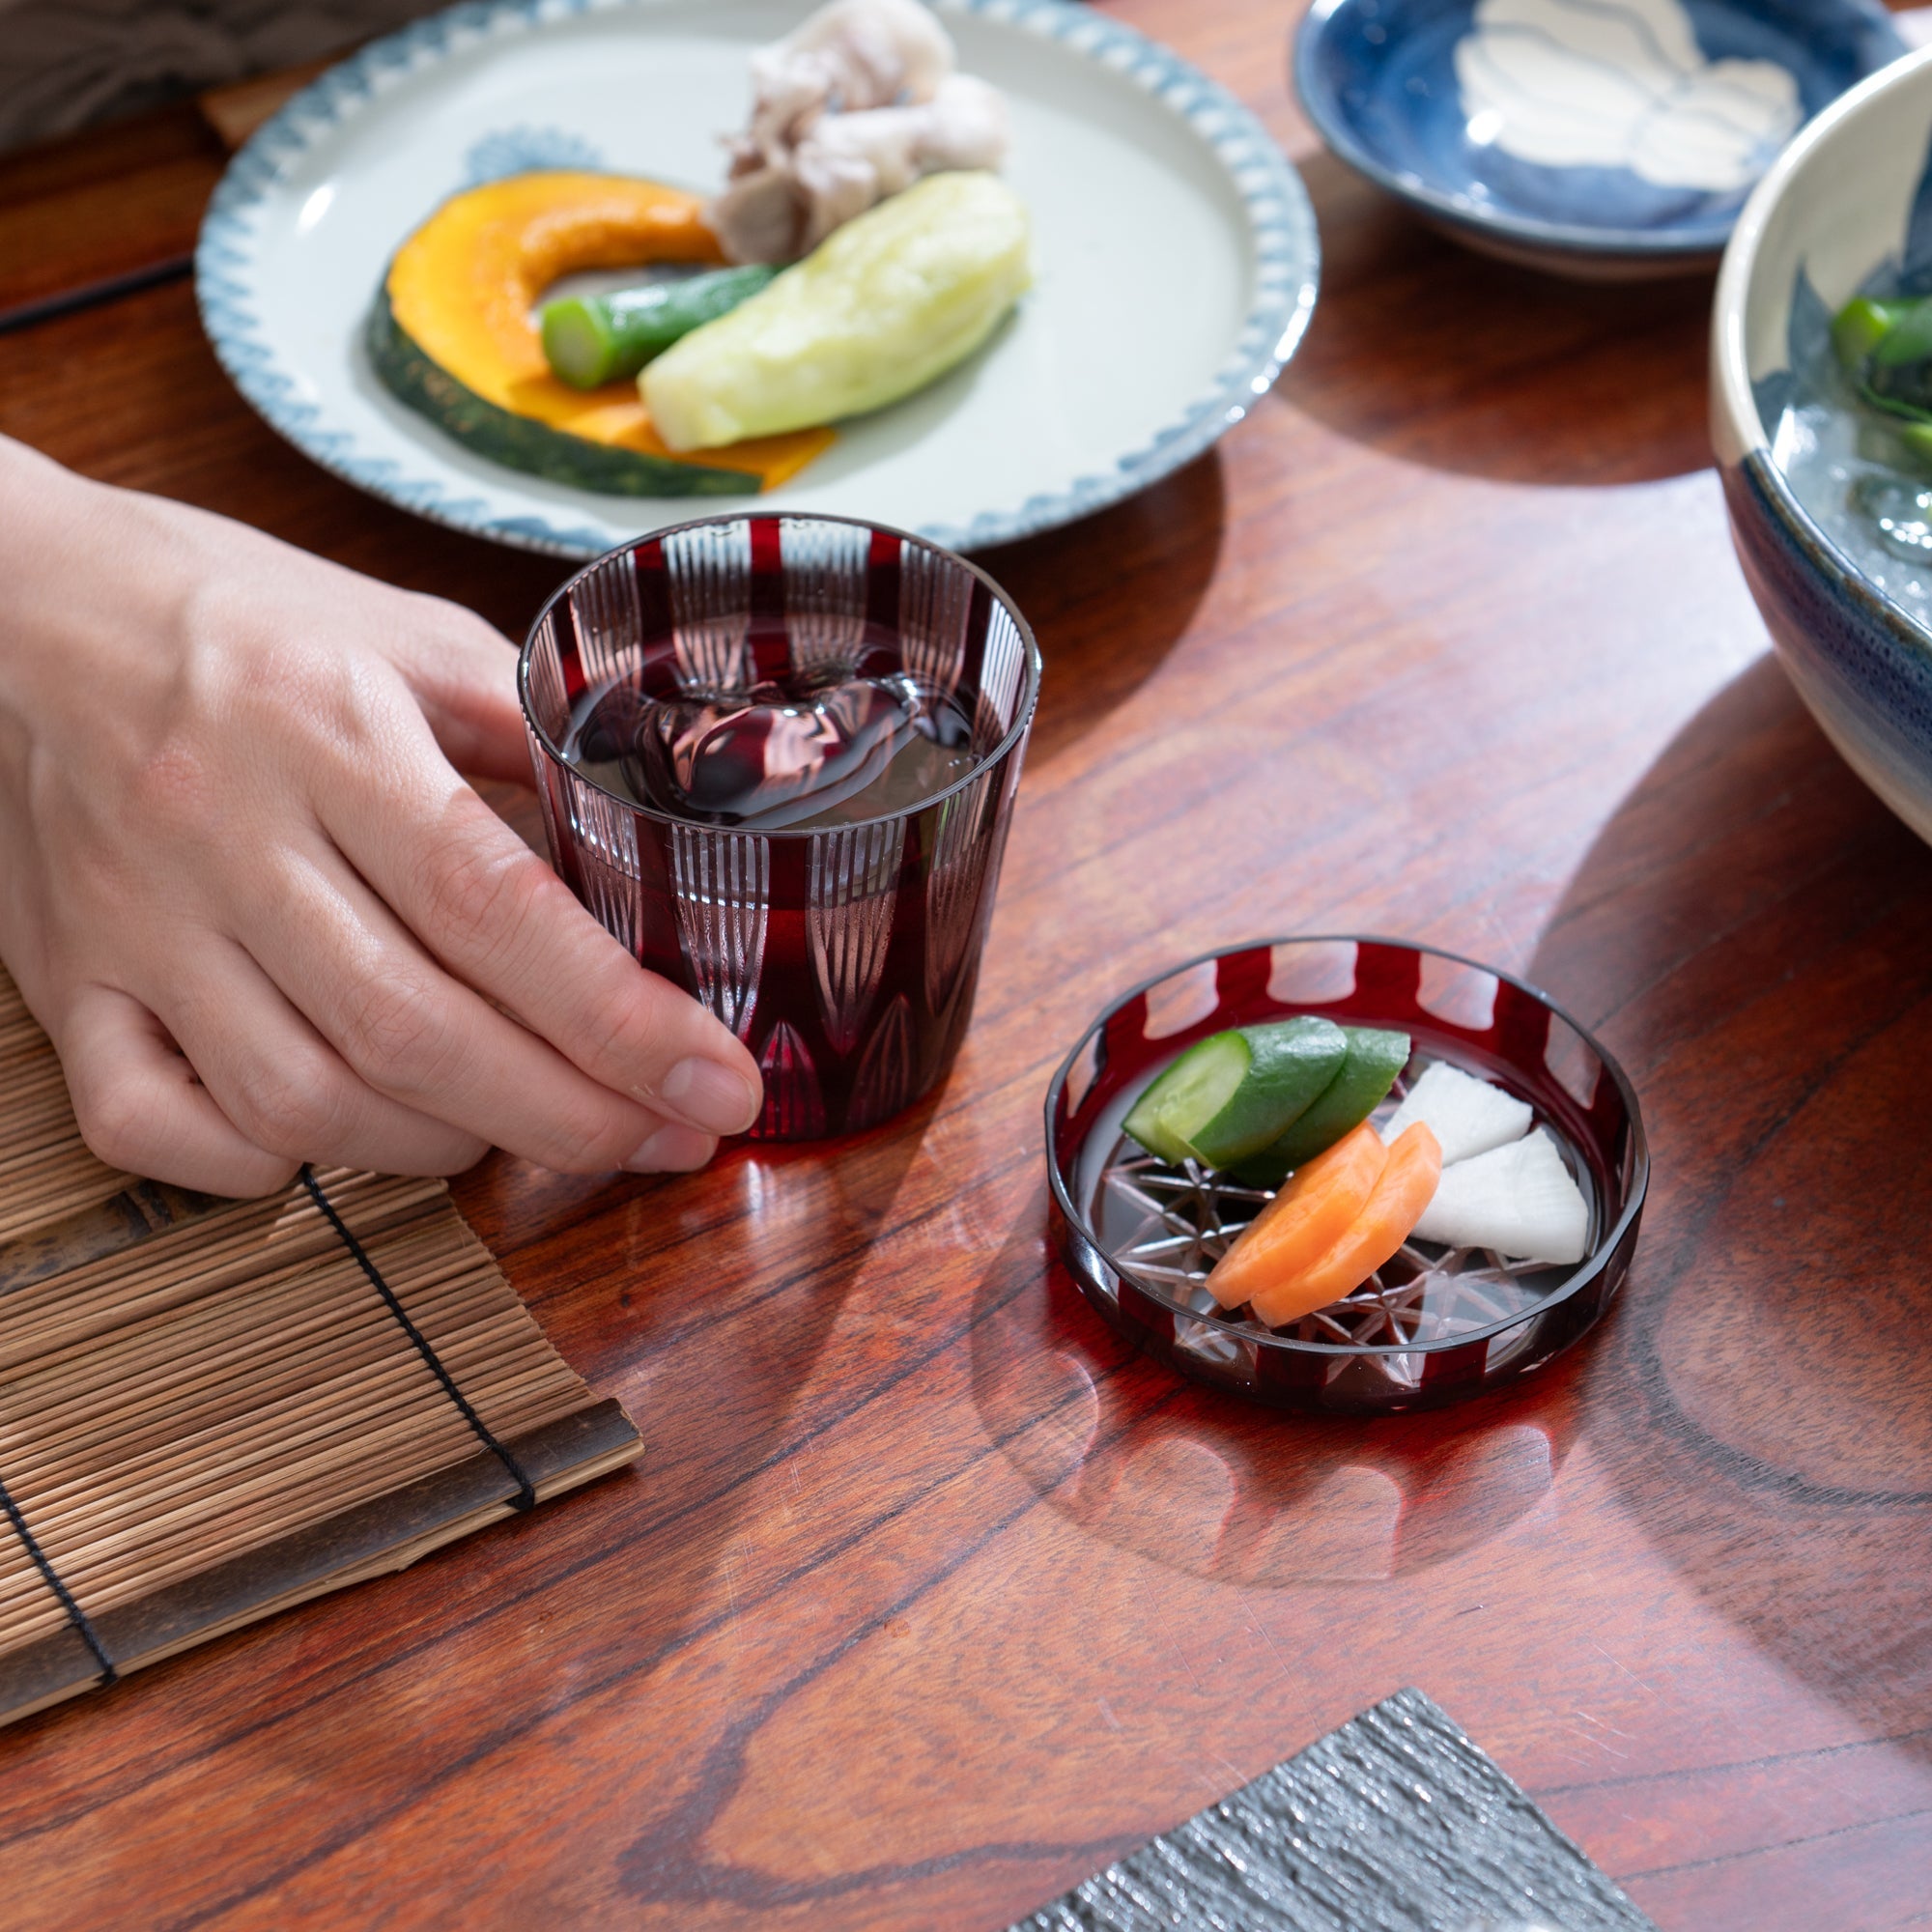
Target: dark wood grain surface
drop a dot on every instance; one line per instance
(926, 1599)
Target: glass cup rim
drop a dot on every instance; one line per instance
(1015, 732)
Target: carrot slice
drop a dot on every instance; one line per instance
(1317, 1206)
(1405, 1187)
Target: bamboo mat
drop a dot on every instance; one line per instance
(212, 1409)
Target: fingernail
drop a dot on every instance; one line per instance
(710, 1097)
(673, 1148)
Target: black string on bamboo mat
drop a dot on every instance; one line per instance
(526, 1496)
(31, 1543)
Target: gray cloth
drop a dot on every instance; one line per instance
(65, 63)
(1394, 1823)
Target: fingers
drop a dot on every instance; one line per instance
(464, 674)
(674, 1149)
(276, 1078)
(249, 694)
(419, 1036)
(141, 1109)
(496, 915)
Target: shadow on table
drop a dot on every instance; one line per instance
(1110, 596)
(1752, 932)
(1214, 1486)
(802, 1223)
(1435, 354)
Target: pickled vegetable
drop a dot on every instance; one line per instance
(1235, 1092)
(1885, 348)
(1858, 328)
(1401, 1191)
(1467, 1116)
(1303, 1221)
(1519, 1199)
(1368, 1071)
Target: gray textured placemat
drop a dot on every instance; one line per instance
(1394, 1823)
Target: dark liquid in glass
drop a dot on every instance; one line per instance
(834, 745)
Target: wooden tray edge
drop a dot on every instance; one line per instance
(386, 1533)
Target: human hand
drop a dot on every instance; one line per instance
(246, 892)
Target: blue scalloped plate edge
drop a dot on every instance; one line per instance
(1280, 218)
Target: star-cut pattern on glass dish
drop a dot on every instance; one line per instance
(1181, 1221)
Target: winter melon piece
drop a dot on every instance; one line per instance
(885, 305)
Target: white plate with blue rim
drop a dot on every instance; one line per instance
(1175, 250)
(1602, 139)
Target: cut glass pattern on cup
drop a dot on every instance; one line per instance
(778, 757)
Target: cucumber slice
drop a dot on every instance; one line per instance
(1193, 1091)
(1233, 1093)
(1291, 1064)
(1374, 1059)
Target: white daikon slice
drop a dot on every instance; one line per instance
(1518, 1200)
(1467, 1116)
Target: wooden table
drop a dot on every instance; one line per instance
(928, 1599)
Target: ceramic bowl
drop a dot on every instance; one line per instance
(1603, 139)
(1847, 208)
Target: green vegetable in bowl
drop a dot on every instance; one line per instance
(883, 305)
(1885, 345)
(589, 340)
(1858, 328)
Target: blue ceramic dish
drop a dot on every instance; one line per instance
(1847, 209)
(1444, 106)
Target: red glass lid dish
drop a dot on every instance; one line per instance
(1435, 1323)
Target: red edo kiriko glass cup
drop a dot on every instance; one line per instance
(845, 956)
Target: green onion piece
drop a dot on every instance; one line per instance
(1908, 339)
(1895, 406)
(1858, 328)
(590, 340)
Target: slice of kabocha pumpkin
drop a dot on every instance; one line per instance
(452, 334)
